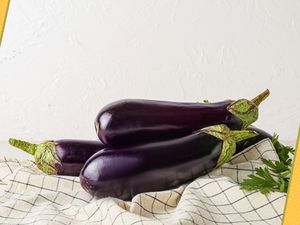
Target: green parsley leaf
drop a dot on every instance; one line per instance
(263, 181)
(276, 175)
(276, 166)
(282, 151)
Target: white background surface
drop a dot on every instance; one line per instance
(61, 61)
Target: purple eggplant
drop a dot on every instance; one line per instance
(61, 157)
(157, 166)
(131, 122)
(261, 134)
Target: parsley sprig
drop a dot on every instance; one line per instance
(275, 176)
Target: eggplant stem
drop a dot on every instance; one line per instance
(261, 97)
(23, 145)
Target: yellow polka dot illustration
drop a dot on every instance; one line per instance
(3, 13)
(292, 208)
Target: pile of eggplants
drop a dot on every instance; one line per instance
(147, 145)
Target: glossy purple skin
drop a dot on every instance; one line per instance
(74, 153)
(129, 122)
(157, 166)
(241, 145)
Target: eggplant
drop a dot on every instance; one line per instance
(157, 166)
(61, 157)
(136, 121)
(261, 134)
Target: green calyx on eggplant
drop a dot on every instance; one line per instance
(125, 172)
(137, 121)
(61, 157)
(247, 111)
(229, 138)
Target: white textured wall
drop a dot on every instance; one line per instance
(62, 60)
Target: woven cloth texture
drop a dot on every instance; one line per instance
(28, 196)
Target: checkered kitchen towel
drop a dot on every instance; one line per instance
(28, 196)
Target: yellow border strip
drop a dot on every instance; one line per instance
(4, 4)
(292, 206)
